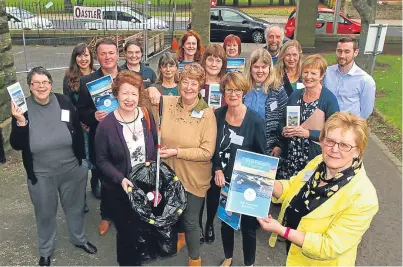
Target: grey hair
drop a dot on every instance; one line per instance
(38, 70)
(266, 32)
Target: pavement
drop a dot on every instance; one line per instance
(380, 246)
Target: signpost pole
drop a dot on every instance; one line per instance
(23, 36)
(116, 18)
(336, 16)
(375, 52)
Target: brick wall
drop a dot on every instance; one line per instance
(7, 70)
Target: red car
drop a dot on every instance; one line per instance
(346, 25)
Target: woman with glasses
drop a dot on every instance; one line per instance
(267, 97)
(314, 100)
(329, 205)
(238, 127)
(50, 137)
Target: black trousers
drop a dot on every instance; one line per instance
(248, 228)
(104, 206)
(212, 199)
(127, 227)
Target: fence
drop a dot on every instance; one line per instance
(256, 3)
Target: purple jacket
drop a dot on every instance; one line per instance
(112, 154)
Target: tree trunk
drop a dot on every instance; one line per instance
(367, 11)
(235, 3)
(281, 2)
(68, 7)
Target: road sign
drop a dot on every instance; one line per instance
(375, 38)
(87, 14)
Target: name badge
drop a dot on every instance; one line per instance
(196, 114)
(237, 140)
(65, 115)
(203, 92)
(273, 105)
(307, 175)
(300, 86)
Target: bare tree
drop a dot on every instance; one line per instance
(68, 6)
(367, 11)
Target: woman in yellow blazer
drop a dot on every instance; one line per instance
(329, 205)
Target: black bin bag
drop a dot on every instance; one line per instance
(157, 235)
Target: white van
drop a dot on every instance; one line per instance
(22, 19)
(127, 19)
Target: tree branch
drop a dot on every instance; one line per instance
(364, 9)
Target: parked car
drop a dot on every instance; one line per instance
(346, 25)
(226, 20)
(19, 18)
(127, 19)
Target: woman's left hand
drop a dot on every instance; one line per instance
(276, 152)
(168, 152)
(296, 131)
(271, 225)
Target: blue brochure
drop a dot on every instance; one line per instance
(231, 218)
(236, 65)
(101, 93)
(252, 183)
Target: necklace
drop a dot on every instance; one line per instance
(134, 125)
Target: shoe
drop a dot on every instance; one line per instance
(195, 262)
(227, 262)
(147, 258)
(181, 241)
(210, 236)
(104, 227)
(86, 209)
(201, 236)
(88, 247)
(44, 261)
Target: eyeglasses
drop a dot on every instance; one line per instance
(342, 146)
(236, 91)
(44, 83)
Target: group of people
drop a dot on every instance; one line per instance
(328, 201)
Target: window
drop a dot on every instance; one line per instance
(327, 17)
(214, 15)
(124, 16)
(231, 16)
(110, 15)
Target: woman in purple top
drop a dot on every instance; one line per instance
(125, 137)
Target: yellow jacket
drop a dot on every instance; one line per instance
(334, 229)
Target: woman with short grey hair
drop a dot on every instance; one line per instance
(50, 138)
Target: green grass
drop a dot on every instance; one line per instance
(388, 78)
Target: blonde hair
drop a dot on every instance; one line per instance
(193, 71)
(348, 121)
(280, 67)
(235, 79)
(272, 81)
(315, 61)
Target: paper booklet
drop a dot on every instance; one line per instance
(293, 115)
(235, 65)
(316, 121)
(101, 93)
(233, 219)
(17, 96)
(252, 183)
(214, 95)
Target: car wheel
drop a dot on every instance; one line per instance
(258, 37)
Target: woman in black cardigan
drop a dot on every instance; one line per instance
(237, 128)
(52, 144)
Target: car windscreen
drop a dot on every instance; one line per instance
(292, 14)
(140, 14)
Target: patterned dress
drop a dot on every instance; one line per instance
(297, 146)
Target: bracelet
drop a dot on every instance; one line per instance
(25, 124)
(287, 232)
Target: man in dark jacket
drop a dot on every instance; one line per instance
(107, 56)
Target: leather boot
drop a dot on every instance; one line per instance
(181, 241)
(195, 262)
(210, 236)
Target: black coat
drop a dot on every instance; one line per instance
(19, 137)
(253, 131)
(86, 109)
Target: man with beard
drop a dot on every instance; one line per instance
(274, 40)
(353, 87)
(107, 56)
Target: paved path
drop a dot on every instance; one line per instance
(381, 245)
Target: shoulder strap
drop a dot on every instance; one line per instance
(147, 117)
